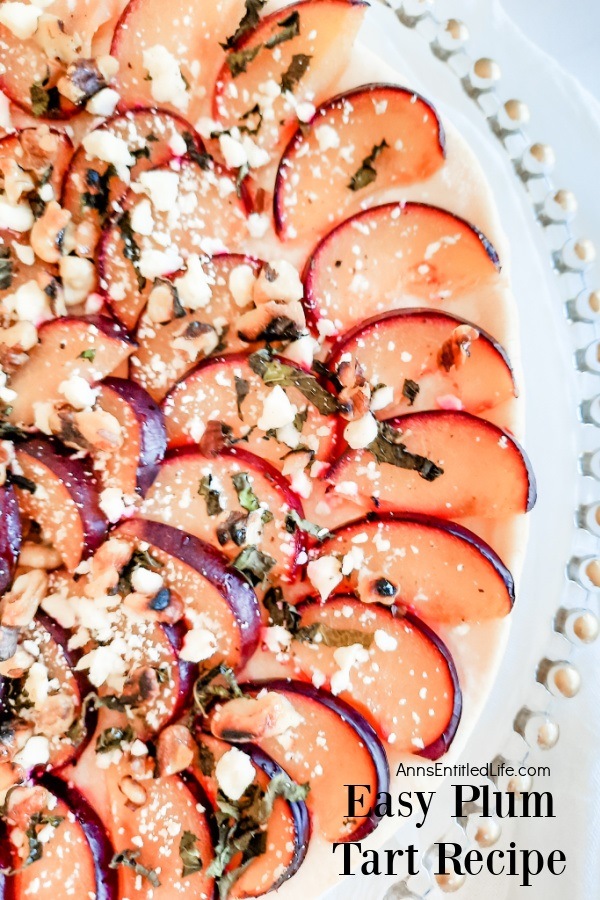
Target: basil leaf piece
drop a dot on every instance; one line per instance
(293, 521)
(242, 389)
(410, 390)
(20, 481)
(296, 70)
(112, 738)
(211, 496)
(274, 371)
(388, 448)
(6, 268)
(206, 759)
(208, 688)
(322, 634)
(131, 250)
(249, 21)
(290, 28)
(281, 612)
(189, 853)
(89, 354)
(239, 60)
(129, 858)
(254, 565)
(367, 173)
(45, 101)
(37, 822)
(204, 160)
(246, 496)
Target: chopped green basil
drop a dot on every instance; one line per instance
(254, 565)
(294, 521)
(296, 70)
(189, 853)
(367, 172)
(211, 496)
(319, 633)
(281, 612)
(246, 496)
(6, 268)
(388, 448)
(249, 21)
(410, 390)
(242, 389)
(129, 859)
(45, 101)
(90, 355)
(113, 738)
(219, 683)
(274, 371)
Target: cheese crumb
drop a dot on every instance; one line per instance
(20, 18)
(325, 574)
(162, 186)
(361, 432)
(167, 84)
(194, 288)
(198, 644)
(235, 773)
(241, 284)
(77, 392)
(277, 411)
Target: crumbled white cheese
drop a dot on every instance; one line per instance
(325, 574)
(17, 217)
(78, 392)
(234, 773)
(103, 103)
(142, 220)
(277, 410)
(305, 111)
(257, 224)
(385, 641)
(382, 397)
(41, 416)
(20, 18)
(24, 253)
(29, 303)
(346, 658)
(36, 752)
(302, 351)
(167, 84)
(194, 288)
(327, 137)
(162, 186)
(255, 155)
(109, 148)
(157, 263)
(361, 432)
(112, 504)
(281, 281)
(198, 644)
(102, 663)
(233, 151)
(145, 581)
(241, 284)
(177, 145)
(37, 684)
(276, 638)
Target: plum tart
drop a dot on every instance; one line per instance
(261, 490)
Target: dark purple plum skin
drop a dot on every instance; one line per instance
(449, 527)
(81, 484)
(10, 535)
(105, 325)
(364, 732)
(211, 565)
(101, 849)
(188, 671)
(298, 809)
(442, 744)
(153, 435)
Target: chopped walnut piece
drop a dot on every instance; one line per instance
(174, 750)
(250, 718)
(24, 802)
(19, 606)
(355, 393)
(134, 791)
(272, 321)
(47, 232)
(39, 556)
(455, 351)
(56, 716)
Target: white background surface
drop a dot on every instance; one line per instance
(567, 117)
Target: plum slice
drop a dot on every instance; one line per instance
(438, 569)
(10, 535)
(357, 145)
(133, 467)
(192, 36)
(28, 77)
(287, 829)
(290, 48)
(173, 808)
(410, 254)
(202, 219)
(484, 470)
(153, 136)
(216, 597)
(404, 682)
(329, 746)
(233, 500)
(76, 855)
(165, 354)
(46, 700)
(210, 394)
(430, 359)
(62, 497)
(44, 153)
(90, 346)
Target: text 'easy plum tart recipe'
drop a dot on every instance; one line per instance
(258, 465)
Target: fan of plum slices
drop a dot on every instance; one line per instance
(257, 468)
